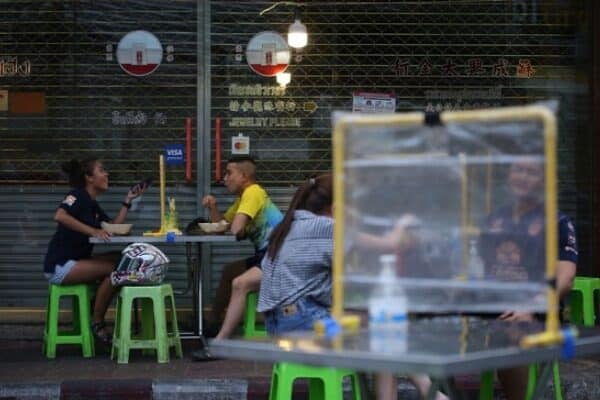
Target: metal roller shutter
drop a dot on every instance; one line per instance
(426, 53)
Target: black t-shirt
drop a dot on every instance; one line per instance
(516, 250)
(67, 244)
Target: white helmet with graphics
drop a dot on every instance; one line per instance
(141, 264)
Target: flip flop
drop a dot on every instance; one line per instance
(100, 334)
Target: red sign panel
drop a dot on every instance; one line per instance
(139, 53)
(268, 54)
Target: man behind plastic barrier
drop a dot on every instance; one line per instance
(513, 249)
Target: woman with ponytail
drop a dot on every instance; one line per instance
(295, 289)
(69, 257)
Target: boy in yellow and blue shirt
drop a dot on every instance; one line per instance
(252, 216)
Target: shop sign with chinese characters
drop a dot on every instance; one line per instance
(471, 67)
(267, 100)
(462, 99)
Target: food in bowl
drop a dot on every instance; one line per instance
(116, 229)
(214, 227)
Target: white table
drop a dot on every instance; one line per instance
(194, 266)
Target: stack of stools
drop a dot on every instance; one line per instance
(582, 300)
(81, 333)
(252, 329)
(325, 383)
(154, 334)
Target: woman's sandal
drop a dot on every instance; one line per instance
(100, 333)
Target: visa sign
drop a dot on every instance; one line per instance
(174, 154)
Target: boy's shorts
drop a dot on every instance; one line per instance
(256, 259)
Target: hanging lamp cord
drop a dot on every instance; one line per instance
(279, 3)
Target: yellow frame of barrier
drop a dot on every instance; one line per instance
(165, 227)
(342, 123)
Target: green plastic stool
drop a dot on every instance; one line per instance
(486, 385)
(154, 335)
(324, 382)
(82, 331)
(583, 294)
(532, 381)
(252, 329)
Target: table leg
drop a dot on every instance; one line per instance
(194, 283)
(541, 383)
(198, 283)
(190, 260)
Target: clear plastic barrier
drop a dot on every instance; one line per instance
(457, 209)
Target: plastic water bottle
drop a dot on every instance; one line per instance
(475, 267)
(388, 316)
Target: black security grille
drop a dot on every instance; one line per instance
(435, 55)
(93, 107)
(432, 55)
(429, 54)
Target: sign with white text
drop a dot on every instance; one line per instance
(373, 102)
(174, 154)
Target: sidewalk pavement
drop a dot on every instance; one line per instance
(26, 374)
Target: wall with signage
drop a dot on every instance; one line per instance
(108, 79)
(103, 78)
(430, 55)
(118, 79)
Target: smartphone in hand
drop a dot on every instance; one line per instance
(145, 184)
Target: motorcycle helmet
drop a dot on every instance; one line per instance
(141, 264)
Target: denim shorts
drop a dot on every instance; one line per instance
(60, 272)
(299, 316)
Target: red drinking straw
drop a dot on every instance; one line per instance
(218, 149)
(188, 150)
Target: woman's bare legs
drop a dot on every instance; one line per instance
(386, 386)
(248, 282)
(94, 270)
(223, 294)
(514, 381)
(423, 383)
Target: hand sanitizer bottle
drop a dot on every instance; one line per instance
(388, 310)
